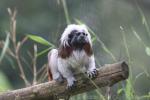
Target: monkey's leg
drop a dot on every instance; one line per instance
(68, 74)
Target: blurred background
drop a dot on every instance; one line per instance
(120, 31)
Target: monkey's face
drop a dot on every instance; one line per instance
(77, 38)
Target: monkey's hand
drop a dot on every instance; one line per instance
(92, 74)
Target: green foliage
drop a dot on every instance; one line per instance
(129, 91)
(43, 52)
(66, 11)
(4, 83)
(120, 91)
(147, 50)
(145, 97)
(40, 40)
(96, 37)
(144, 21)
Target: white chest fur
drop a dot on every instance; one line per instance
(78, 59)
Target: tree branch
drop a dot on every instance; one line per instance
(108, 75)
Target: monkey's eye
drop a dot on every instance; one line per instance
(78, 33)
(84, 33)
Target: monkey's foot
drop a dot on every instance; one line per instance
(92, 74)
(71, 83)
(60, 79)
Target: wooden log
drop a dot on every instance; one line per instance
(108, 75)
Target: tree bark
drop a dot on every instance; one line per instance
(108, 75)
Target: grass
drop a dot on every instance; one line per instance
(6, 44)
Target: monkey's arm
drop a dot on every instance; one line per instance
(91, 68)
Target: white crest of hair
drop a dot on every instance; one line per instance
(69, 29)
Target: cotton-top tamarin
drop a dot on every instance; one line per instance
(74, 55)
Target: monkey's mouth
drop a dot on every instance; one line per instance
(79, 44)
(82, 41)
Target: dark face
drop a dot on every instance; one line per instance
(77, 39)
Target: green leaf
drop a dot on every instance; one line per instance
(147, 50)
(40, 40)
(5, 47)
(120, 91)
(94, 39)
(4, 82)
(129, 92)
(44, 51)
(136, 35)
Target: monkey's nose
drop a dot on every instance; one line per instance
(82, 37)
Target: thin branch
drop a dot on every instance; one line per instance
(12, 14)
(16, 45)
(26, 63)
(34, 65)
(43, 74)
(41, 69)
(22, 75)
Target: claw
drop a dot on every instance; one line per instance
(72, 86)
(92, 74)
(60, 79)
